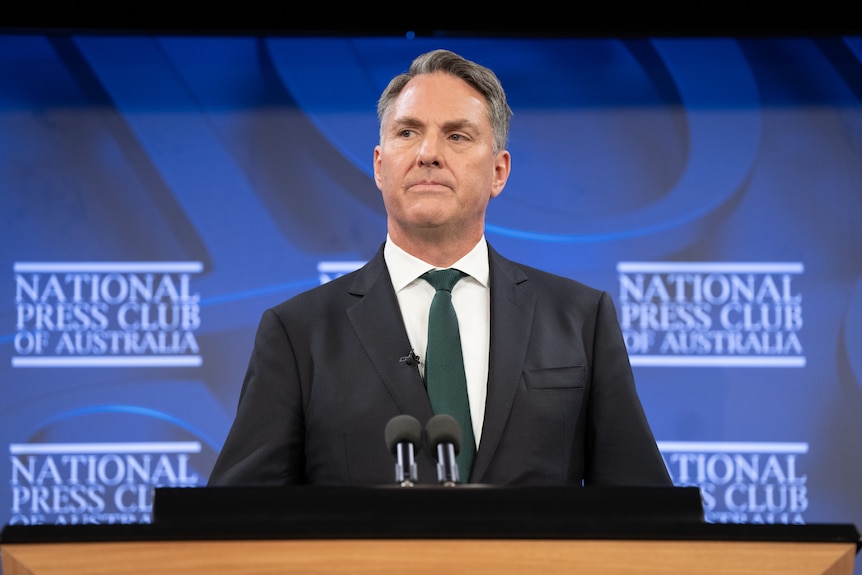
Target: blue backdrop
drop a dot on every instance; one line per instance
(158, 192)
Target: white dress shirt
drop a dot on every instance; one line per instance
(472, 301)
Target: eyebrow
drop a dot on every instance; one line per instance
(412, 121)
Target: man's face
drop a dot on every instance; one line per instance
(435, 165)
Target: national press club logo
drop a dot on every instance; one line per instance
(95, 483)
(711, 314)
(743, 482)
(106, 314)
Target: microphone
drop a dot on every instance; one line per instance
(403, 433)
(444, 433)
(410, 359)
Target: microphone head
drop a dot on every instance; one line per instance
(402, 428)
(443, 428)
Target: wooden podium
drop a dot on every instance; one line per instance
(428, 530)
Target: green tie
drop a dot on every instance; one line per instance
(444, 364)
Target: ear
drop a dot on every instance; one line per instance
(376, 164)
(502, 167)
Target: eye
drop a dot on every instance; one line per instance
(405, 133)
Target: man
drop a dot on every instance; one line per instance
(552, 400)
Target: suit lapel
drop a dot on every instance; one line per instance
(376, 319)
(512, 308)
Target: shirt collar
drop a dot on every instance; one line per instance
(404, 268)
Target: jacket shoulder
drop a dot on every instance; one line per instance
(546, 283)
(336, 294)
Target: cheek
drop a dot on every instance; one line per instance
(381, 175)
(481, 181)
(389, 171)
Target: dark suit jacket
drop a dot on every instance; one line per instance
(324, 379)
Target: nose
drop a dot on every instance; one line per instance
(429, 152)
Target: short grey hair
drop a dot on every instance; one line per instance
(479, 77)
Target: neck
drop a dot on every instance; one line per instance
(437, 251)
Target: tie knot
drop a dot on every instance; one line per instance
(443, 279)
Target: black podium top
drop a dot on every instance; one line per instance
(396, 512)
(464, 512)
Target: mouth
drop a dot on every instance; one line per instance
(428, 186)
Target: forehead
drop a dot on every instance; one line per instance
(440, 97)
